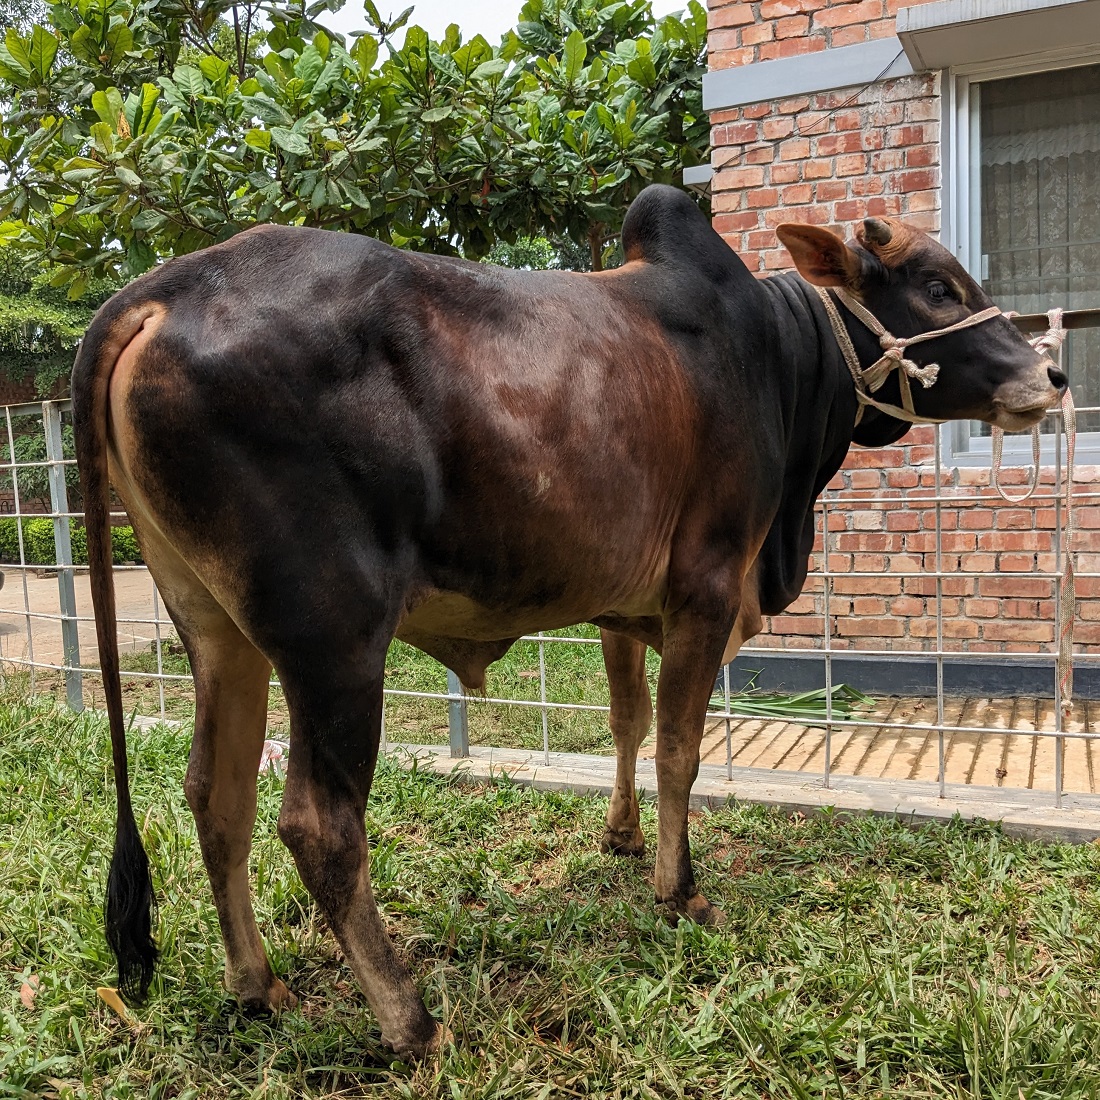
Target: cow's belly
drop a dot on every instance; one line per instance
(452, 615)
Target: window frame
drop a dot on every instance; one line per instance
(961, 230)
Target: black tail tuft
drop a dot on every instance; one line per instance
(129, 912)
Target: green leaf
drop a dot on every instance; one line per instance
(365, 53)
(290, 142)
(308, 67)
(189, 80)
(266, 109)
(258, 139)
(128, 176)
(436, 114)
(576, 50)
(214, 68)
(491, 71)
(108, 105)
(141, 109)
(120, 40)
(18, 51)
(43, 50)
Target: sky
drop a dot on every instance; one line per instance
(490, 18)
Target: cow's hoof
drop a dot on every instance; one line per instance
(275, 999)
(417, 1050)
(617, 842)
(696, 909)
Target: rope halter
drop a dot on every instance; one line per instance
(870, 381)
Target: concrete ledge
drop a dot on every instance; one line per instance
(997, 675)
(1022, 813)
(843, 67)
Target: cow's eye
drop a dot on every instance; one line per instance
(938, 291)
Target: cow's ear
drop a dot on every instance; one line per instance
(821, 257)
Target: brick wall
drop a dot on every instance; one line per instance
(832, 159)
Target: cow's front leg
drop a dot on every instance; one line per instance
(630, 718)
(689, 666)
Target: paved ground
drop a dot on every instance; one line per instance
(133, 594)
(1017, 760)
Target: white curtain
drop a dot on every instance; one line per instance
(1040, 204)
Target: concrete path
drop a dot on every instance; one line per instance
(1022, 812)
(133, 595)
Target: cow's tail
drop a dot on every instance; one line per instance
(130, 902)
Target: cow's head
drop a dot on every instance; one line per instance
(912, 284)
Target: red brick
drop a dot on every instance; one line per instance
(831, 144)
(874, 627)
(909, 606)
(761, 240)
(901, 479)
(868, 605)
(735, 223)
(902, 521)
(1015, 519)
(737, 133)
(762, 197)
(847, 36)
(867, 185)
(760, 32)
(793, 26)
(976, 519)
(733, 179)
(921, 179)
(817, 169)
(887, 160)
(998, 631)
(798, 624)
(857, 585)
(793, 106)
(1016, 563)
(763, 154)
(800, 193)
(844, 14)
(757, 110)
(777, 9)
(921, 156)
(830, 190)
(729, 15)
(777, 128)
(851, 165)
(785, 173)
(983, 609)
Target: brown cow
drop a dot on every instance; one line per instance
(324, 442)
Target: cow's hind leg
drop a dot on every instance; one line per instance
(333, 684)
(630, 718)
(231, 687)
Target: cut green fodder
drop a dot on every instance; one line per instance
(860, 958)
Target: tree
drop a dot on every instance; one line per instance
(140, 131)
(39, 327)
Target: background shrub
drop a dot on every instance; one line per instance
(38, 546)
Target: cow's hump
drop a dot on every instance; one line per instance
(664, 226)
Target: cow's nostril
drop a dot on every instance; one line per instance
(1057, 378)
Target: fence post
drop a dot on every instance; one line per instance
(59, 505)
(456, 714)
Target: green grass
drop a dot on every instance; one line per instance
(860, 959)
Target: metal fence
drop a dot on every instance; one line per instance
(45, 633)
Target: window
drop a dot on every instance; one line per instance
(1025, 185)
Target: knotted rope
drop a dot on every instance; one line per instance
(1050, 341)
(870, 381)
